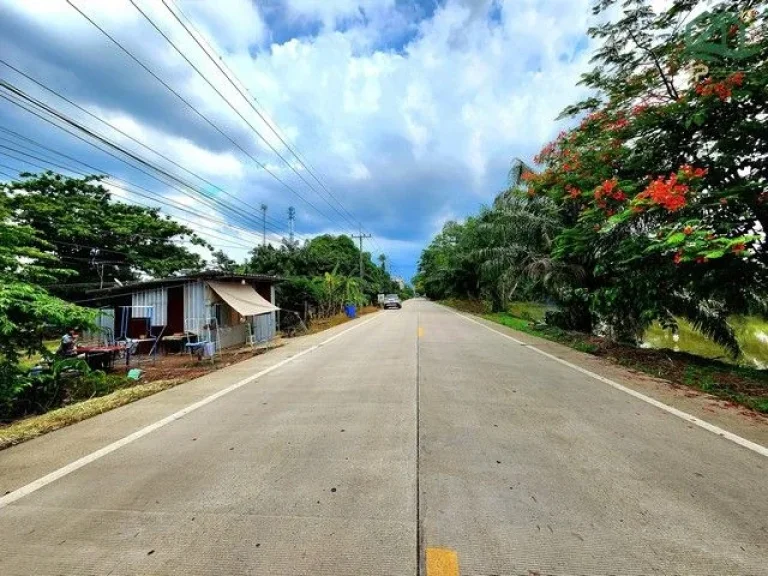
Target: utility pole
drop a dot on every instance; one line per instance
(264, 224)
(361, 237)
(291, 219)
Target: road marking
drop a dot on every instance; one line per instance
(442, 562)
(762, 450)
(420, 332)
(93, 456)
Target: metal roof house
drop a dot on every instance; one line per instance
(233, 309)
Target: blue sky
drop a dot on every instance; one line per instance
(409, 113)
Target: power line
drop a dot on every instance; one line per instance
(120, 131)
(248, 101)
(17, 93)
(182, 208)
(81, 245)
(117, 184)
(231, 76)
(177, 205)
(195, 110)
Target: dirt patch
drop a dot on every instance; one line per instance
(187, 367)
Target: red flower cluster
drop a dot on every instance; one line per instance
(594, 117)
(619, 124)
(690, 172)
(666, 192)
(722, 90)
(639, 109)
(545, 153)
(738, 248)
(527, 176)
(573, 192)
(608, 190)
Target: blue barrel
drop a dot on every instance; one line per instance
(351, 310)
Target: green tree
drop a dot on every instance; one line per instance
(323, 254)
(27, 311)
(97, 237)
(662, 186)
(224, 263)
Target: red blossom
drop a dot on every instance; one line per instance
(690, 172)
(702, 260)
(619, 124)
(573, 192)
(738, 248)
(736, 79)
(688, 230)
(639, 109)
(666, 192)
(722, 90)
(678, 257)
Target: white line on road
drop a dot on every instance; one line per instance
(762, 450)
(93, 456)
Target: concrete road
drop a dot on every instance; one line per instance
(417, 440)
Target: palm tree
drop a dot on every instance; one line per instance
(383, 262)
(517, 235)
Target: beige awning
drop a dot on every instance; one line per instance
(243, 298)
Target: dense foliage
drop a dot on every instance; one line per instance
(322, 274)
(76, 216)
(50, 228)
(659, 196)
(27, 311)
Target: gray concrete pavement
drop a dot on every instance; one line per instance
(521, 466)
(308, 470)
(529, 467)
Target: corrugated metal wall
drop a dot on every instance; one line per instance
(155, 297)
(265, 326)
(196, 304)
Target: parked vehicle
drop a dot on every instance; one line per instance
(392, 301)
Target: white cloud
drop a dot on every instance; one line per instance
(406, 135)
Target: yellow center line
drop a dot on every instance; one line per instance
(420, 332)
(442, 562)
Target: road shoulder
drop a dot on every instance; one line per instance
(738, 420)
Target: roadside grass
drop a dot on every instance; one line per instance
(28, 428)
(742, 385)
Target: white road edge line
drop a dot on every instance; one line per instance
(762, 450)
(93, 456)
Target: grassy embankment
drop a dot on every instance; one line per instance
(692, 361)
